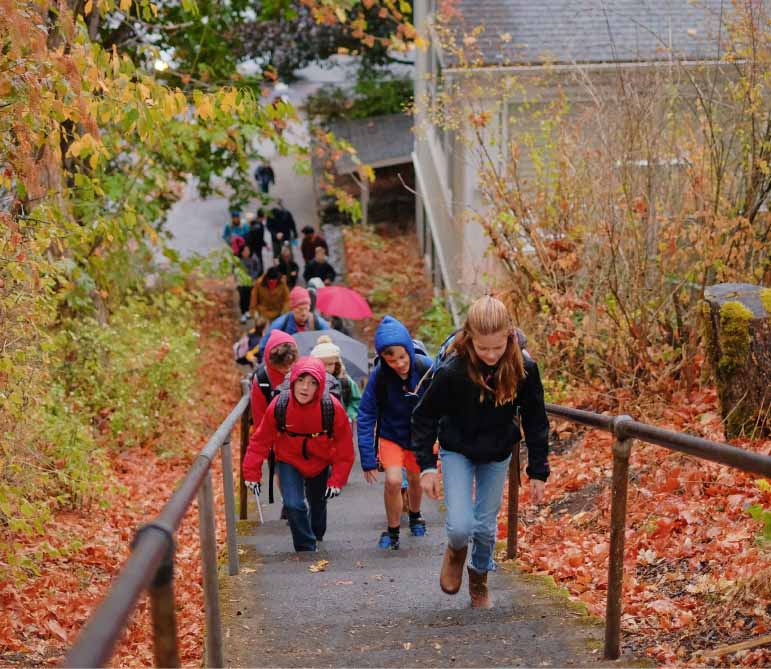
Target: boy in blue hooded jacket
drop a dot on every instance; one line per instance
(385, 412)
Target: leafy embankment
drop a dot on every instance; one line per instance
(697, 575)
(67, 570)
(389, 272)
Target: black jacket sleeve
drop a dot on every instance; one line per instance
(290, 224)
(534, 423)
(435, 403)
(310, 268)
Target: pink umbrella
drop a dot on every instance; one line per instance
(343, 302)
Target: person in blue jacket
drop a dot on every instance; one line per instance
(235, 227)
(385, 443)
(299, 318)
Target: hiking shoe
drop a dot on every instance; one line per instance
(388, 542)
(244, 318)
(418, 527)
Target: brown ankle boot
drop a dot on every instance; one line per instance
(477, 588)
(451, 577)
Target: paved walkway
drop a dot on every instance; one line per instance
(375, 608)
(368, 607)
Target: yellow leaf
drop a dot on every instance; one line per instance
(321, 565)
(125, 5)
(340, 12)
(75, 148)
(204, 108)
(151, 233)
(94, 160)
(421, 44)
(169, 106)
(89, 7)
(228, 100)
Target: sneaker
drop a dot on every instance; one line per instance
(388, 542)
(244, 318)
(418, 527)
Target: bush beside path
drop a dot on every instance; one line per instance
(85, 548)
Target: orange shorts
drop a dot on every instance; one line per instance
(391, 454)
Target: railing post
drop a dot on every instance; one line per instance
(214, 655)
(162, 609)
(230, 507)
(244, 442)
(165, 650)
(622, 449)
(513, 522)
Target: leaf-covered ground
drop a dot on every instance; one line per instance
(695, 576)
(388, 270)
(43, 614)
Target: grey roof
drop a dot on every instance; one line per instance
(594, 31)
(379, 141)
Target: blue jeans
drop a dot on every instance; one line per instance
(473, 517)
(307, 528)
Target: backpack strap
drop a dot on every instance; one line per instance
(263, 381)
(280, 410)
(327, 414)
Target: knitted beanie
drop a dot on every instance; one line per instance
(326, 351)
(299, 296)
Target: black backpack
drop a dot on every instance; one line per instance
(263, 381)
(331, 387)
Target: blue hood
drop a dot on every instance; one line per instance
(391, 332)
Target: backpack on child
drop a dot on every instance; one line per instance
(331, 388)
(248, 342)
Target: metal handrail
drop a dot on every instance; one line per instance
(150, 565)
(626, 430)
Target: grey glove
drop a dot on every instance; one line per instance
(253, 487)
(331, 492)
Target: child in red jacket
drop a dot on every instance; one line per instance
(310, 462)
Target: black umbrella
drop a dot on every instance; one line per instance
(353, 352)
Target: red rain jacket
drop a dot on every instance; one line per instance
(258, 399)
(304, 418)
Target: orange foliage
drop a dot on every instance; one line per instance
(688, 538)
(399, 287)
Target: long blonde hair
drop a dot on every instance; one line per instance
(488, 316)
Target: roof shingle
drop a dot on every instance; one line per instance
(594, 31)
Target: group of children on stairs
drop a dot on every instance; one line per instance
(475, 400)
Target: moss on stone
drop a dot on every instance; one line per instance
(765, 299)
(734, 338)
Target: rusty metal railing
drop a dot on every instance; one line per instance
(151, 563)
(626, 430)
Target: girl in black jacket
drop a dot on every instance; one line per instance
(476, 403)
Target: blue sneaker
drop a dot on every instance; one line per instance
(418, 527)
(388, 542)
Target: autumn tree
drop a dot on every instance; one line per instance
(95, 146)
(609, 216)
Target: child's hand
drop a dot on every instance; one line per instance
(537, 491)
(430, 484)
(371, 476)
